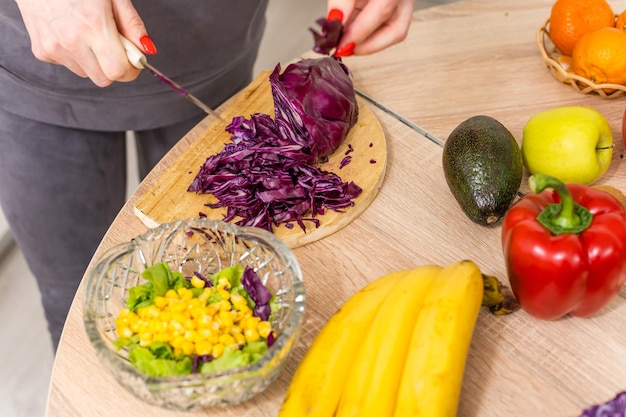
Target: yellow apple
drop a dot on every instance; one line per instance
(571, 143)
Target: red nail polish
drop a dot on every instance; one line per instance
(335, 14)
(346, 50)
(148, 45)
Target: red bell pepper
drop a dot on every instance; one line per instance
(565, 248)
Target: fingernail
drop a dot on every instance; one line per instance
(335, 14)
(346, 50)
(148, 45)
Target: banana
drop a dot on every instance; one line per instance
(372, 381)
(396, 348)
(433, 370)
(319, 379)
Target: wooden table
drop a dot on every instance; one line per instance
(462, 59)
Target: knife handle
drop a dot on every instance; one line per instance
(135, 56)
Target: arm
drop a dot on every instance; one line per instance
(82, 35)
(372, 25)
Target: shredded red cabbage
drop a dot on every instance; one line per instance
(328, 39)
(267, 175)
(258, 292)
(254, 287)
(612, 408)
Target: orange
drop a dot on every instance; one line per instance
(570, 19)
(620, 23)
(600, 56)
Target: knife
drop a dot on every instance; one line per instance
(139, 60)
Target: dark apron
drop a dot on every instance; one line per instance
(209, 47)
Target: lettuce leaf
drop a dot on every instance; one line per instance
(234, 358)
(160, 278)
(158, 360)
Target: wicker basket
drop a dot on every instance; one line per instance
(558, 65)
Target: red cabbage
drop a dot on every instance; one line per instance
(317, 98)
(612, 408)
(267, 175)
(328, 39)
(258, 292)
(254, 287)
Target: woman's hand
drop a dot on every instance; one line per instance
(371, 25)
(82, 35)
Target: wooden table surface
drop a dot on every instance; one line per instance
(462, 59)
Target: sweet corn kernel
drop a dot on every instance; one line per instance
(223, 283)
(240, 339)
(251, 323)
(241, 308)
(215, 326)
(236, 298)
(227, 319)
(185, 294)
(177, 342)
(188, 348)
(178, 306)
(218, 350)
(197, 282)
(227, 340)
(264, 329)
(196, 313)
(213, 308)
(204, 334)
(204, 347)
(160, 302)
(224, 294)
(206, 293)
(190, 324)
(176, 326)
(204, 321)
(171, 294)
(251, 335)
(142, 326)
(145, 336)
(190, 336)
(125, 332)
(160, 327)
(165, 315)
(194, 304)
(179, 317)
(161, 337)
(224, 305)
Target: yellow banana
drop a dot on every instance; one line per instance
(372, 381)
(433, 370)
(319, 379)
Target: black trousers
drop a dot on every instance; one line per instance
(60, 189)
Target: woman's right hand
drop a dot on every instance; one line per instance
(83, 35)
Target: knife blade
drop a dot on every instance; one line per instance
(139, 61)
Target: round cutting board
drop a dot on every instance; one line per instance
(168, 199)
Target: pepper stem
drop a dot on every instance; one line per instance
(564, 217)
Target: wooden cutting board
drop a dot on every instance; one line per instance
(168, 199)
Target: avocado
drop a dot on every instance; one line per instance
(482, 163)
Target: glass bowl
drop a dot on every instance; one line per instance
(204, 246)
